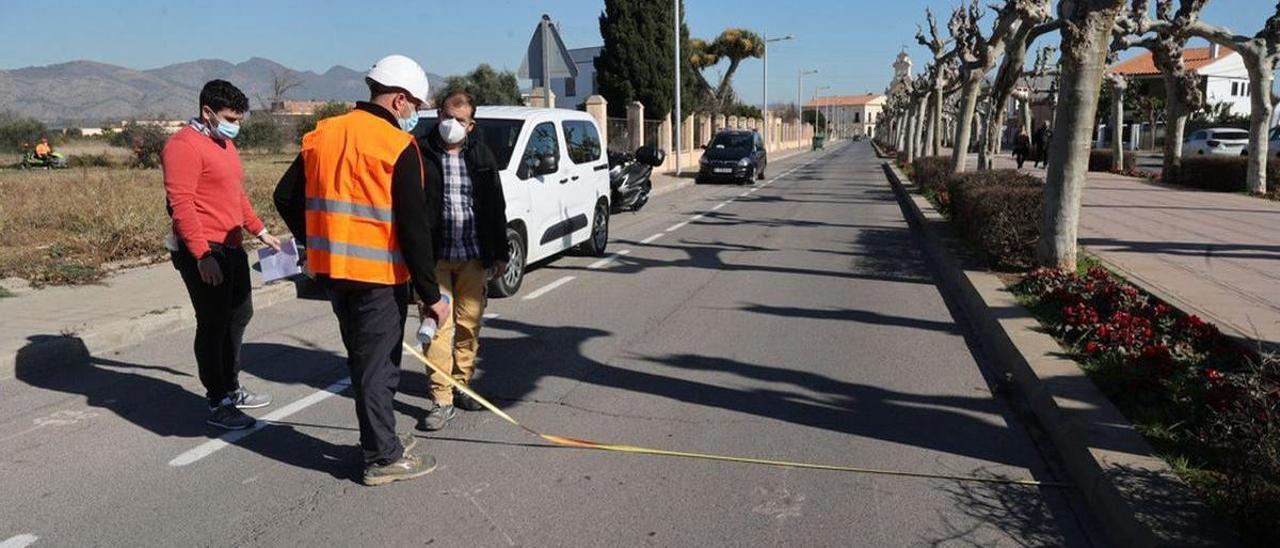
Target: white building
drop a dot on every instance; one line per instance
(571, 92)
(1223, 76)
(849, 115)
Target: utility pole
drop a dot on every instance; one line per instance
(546, 62)
(800, 97)
(764, 106)
(679, 121)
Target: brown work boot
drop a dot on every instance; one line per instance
(409, 466)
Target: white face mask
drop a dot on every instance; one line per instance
(452, 131)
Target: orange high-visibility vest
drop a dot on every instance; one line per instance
(349, 162)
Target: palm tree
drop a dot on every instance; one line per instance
(733, 44)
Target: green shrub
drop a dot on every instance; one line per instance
(145, 141)
(931, 174)
(1222, 173)
(1100, 160)
(261, 132)
(308, 123)
(16, 131)
(998, 212)
(90, 160)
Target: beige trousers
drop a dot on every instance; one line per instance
(458, 337)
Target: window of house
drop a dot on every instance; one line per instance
(570, 87)
(1233, 89)
(582, 140)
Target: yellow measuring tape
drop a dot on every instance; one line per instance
(621, 448)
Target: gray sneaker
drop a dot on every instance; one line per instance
(230, 417)
(439, 416)
(465, 402)
(408, 467)
(407, 441)
(244, 399)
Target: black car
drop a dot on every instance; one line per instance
(735, 156)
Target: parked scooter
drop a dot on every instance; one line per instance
(629, 177)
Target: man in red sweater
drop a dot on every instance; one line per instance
(204, 186)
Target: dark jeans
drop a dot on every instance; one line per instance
(222, 313)
(371, 319)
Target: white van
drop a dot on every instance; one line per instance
(555, 178)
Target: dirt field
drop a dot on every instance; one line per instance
(75, 225)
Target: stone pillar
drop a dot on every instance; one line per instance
(598, 108)
(540, 97)
(704, 136)
(664, 135)
(686, 135)
(721, 122)
(732, 122)
(635, 125)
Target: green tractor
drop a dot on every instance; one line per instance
(54, 160)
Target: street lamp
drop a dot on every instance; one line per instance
(800, 96)
(764, 108)
(678, 121)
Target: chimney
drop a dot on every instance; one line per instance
(1214, 48)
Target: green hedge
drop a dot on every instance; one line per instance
(1100, 160)
(1222, 173)
(931, 174)
(998, 213)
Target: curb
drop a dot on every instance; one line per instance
(50, 352)
(1136, 496)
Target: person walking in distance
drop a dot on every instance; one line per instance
(1021, 147)
(472, 243)
(1042, 138)
(357, 193)
(204, 189)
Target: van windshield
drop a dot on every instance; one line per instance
(1231, 135)
(500, 135)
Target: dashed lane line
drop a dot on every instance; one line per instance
(548, 288)
(19, 541)
(605, 261)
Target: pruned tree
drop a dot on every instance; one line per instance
(734, 45)
(938, 46)
(1035, 22)
(1166, 43)
(1086, 34)
(1260, 53)
(978, 54)
(1119, 84)
(486, 85)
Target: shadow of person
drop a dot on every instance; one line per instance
(147, 397)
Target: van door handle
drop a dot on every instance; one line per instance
(564, 180)
(575, 177)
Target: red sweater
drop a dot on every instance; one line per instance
(204, 185)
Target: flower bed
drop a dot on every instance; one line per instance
(1211, 408)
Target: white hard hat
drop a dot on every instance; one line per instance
(398, 71)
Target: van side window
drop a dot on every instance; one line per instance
(542, 142)
(583, 141)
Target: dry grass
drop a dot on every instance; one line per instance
(75, 225)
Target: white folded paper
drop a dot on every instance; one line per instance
(278, 265)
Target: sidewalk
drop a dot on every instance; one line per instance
(61, 322)
(1214, 254)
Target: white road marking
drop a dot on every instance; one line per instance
(20, 541)
(605, 261)
(719, 205)
(696, 218)
(548, 288)
(651, 238)
(490, 315)
(744, 194)
(210, 447)
(677, 226)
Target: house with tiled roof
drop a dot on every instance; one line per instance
(849, 115)
(1223, 75)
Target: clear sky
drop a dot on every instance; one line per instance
(850, 42)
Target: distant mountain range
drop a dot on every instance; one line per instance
(89, 93)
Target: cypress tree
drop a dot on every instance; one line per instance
(638, 57)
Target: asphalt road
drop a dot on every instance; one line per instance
(798, 321)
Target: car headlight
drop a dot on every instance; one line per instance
(744, 162)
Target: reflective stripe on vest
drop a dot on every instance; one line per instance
(351, 235)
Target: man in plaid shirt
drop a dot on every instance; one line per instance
(471, 236)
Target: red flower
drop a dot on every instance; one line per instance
(1092, 348)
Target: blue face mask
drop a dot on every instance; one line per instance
(226, 130)
(407, 124)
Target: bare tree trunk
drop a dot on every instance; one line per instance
(1260, 82)
(995, 131)
(900, 132)
(1118, 86)
(910, 134)
(984, 133)
(931, 128)
(917, 133)
(964, 126)
(1086, 33)
(935, 110)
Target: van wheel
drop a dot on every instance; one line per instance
(599, 232)
(508, 284)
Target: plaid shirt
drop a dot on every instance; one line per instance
(460, 240)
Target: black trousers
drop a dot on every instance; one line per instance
(222, 313)
(371, 318)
